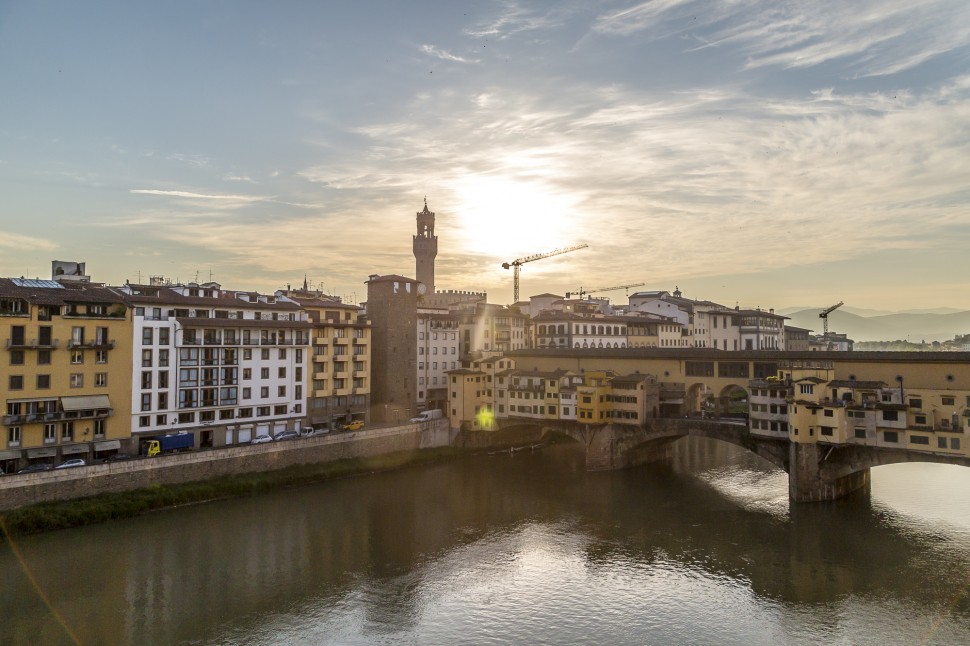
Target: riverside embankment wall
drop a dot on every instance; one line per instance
(27, 489)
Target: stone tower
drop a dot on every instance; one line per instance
(425, 249)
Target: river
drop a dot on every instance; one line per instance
(522, 549)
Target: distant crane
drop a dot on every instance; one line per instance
(517, 264)
(582, 291)
(824, 315)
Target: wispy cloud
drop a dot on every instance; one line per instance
(18, 241)
(198, 196)
(868, 38)
(431, 50)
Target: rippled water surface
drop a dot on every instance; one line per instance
(529, 548)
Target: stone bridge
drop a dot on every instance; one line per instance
(816, 472)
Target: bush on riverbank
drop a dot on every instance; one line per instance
(63, 514)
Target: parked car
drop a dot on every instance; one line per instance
(70, 464)
(287, 435)
(314, 432)
(117, 457)
(35, 467)
(355, 425)
(261, 439)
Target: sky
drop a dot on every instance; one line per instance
(764, 153)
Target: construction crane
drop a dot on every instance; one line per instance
(824, 315)
(517, 264)
(582, 291)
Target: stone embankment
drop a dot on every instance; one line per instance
(28, 489)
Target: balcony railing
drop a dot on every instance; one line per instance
(10, 420)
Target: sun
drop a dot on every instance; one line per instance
(511, 217)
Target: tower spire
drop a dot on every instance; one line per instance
(425, 245)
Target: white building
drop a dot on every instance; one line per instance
(437, 353)
(225, 366)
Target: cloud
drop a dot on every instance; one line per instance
(198, 196)
(681, 184)
(238, 178)
(19, 242)
(866, 38)
(431, 50)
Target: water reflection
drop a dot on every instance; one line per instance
(499, 549)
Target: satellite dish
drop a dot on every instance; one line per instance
(422, 288)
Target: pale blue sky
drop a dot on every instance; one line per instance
(755, 151)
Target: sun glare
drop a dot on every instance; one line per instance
(511, 217)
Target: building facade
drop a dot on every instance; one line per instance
(66, 378)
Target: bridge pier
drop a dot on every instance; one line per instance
(619, 447)
(810, 481)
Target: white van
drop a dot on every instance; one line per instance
(427, 416)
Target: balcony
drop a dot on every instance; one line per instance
(100, 344)
(230, 341)
(33, 344)
(10, 420)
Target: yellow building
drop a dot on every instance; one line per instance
(469, 406)
(66, 379)
(341, 360)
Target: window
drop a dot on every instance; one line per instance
(264, 392)
(806, 389)
(163, 336)
(282, 353)
(146, 379)
(860, 433)
(891, 436)
(77, 380)
(44, 357)
(299, 355)
(13, 436)
(828, 413)
(147, 336)
(67, 432)
(16, 357)
(247, 393)
(264, 354)
(50, 433)
(43, 382)
(262, 411)
(101, 356)
(916, 403)
(77, 356)
(264, 373)
(282, 372)
(281, 391)
(947, 401)
(247, 373)
(919, 439)
(16, 382)
(279, 409)
(146, 401)
(146, 358)
(954, 443)
(163, 379)
(145, 420)
(890, 415)
(99, 428)
(941, 442)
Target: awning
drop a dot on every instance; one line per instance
(69, 449)
(9, 455)
(110, 445)
(85, 402)
(41, 453)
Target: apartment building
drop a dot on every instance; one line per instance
(340, 359)
(437, 345)
(222, 365)
(568, 330)
(66, 377)
(808, 405)
(761, 330)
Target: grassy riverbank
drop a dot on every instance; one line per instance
(63, 514)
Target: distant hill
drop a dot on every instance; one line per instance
(861, 311)
(916, 325)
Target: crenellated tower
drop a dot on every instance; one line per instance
(425, 249)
